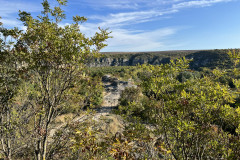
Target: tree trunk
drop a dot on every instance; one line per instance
(45, 139)
(9, 149)
(38, 150)
(38, 139)
(44, 149)
(5, 136)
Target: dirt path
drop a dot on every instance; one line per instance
(113, 89)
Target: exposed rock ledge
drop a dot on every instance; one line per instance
(204, 58)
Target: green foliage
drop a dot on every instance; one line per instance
(130, 95)
(123, 72)
(235, 56)
(193, 115)
(52, 58)
(84, 93)
(85, 143)
(186, 75)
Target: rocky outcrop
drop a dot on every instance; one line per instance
(113, 89)
(205, 58)
(107, 61)
(130, 61)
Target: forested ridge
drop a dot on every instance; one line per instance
(52, 106)
(201, 58)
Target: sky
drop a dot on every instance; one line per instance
(147, 25)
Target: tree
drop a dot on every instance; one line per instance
(9, 81)
(55, 57)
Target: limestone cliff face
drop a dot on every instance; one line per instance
(127, 61)
(106, 61)
(208, 58)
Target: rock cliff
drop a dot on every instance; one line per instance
(203, 58)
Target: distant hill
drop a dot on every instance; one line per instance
(155, 52)
(200, 58)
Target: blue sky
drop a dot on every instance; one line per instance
(148, 25)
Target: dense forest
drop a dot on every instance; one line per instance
(52, 103)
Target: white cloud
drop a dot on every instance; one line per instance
(146, 4)
(129, 18)
(10, 22)
(199, 3)
(10, 7)
(9, 10)
(116, 4)
(123, 6)
(132, 40)
(125, 40)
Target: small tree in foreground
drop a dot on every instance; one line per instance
(9, 81)
(55, 59)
